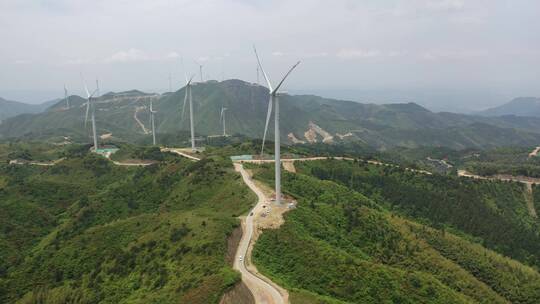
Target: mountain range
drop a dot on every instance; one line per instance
(521, 106)
(304, 119)
(9, 108)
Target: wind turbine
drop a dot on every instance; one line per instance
(189, 96)
(152, 112)
(89, 101)
(274, 94)
(66, 97)
(222, 118)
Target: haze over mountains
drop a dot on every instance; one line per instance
(9, 108)
(522, 106)
(306, 119)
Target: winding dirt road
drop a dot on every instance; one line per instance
(264, 291)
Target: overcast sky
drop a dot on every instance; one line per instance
(460, 47)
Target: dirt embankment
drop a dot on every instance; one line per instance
(239, 294)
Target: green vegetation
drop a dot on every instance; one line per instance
(346, 246)
(29, 151)
(87, 231)
(377, 126)
(492, 213)
(513, 161)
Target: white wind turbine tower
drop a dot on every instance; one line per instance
(88, 104)
(152, 112)
(222, 119)
(274, 94)
(189, 96)
(66, 97)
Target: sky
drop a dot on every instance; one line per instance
(456, 55)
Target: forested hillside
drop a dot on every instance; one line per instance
(494, 213)
(388, 242)
(87, 231)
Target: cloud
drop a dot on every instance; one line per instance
(203, 59)
(315, 55)
(130, 55)
(172, 55)
(278, 53)
(433, 55)
(22, 61)
(446, 5)
(77, 61)
(358, 53)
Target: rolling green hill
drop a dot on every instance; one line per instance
(305, 118)
(86, 231)
(10, 108)
(360, 239)
(522, 106)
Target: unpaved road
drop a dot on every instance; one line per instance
(264, 291)
(133, 164)
(291, 160)
(181, 152)
(144, 129)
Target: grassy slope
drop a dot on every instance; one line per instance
(118, 235)
(494, 213)
(340, 244)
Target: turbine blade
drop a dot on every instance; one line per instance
(285, 77)
(87, 110)
(85, 86)
(268, 114)
(185, 100)
(97, 88)
(262, 70)
(86, 89)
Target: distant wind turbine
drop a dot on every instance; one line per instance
(189, 96)
(152, 112)
(274, 100)
(66, 97)
(222, 119)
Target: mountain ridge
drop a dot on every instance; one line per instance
(304, 118)
(520, 106)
